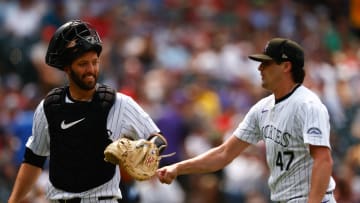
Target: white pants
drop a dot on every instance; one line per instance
(328, 198)
(92, 200)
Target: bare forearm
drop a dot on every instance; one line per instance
(26, 178)
(320, 178)
(214, 159)
(208, 162)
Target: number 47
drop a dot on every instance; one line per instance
(282, 157)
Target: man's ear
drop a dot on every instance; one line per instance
(287, 66)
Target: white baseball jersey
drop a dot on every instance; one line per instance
(287, 127)
(125, 117)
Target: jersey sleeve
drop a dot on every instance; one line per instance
(316, 128)
(39, 141)
(128, 118)
(248, 129)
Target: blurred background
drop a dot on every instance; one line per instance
(185, 62)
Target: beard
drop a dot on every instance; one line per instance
(80, 82)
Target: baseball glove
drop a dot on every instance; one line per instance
(140, 158)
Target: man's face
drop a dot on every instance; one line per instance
(271, 74)
(84, 71)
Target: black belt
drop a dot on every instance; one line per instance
(78, 199)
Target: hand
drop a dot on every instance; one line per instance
(167, 174)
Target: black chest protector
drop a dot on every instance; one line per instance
(78, 137)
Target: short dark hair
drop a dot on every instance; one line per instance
(298, 74)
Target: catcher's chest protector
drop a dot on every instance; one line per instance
(78, 137)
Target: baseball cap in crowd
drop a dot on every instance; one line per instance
(280, 50)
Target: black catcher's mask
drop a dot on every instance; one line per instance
(70, 41)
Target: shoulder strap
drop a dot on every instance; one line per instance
(53, 99)
(106, 96)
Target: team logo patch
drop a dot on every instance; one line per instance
(314, 131)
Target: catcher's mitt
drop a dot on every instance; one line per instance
(140, 158)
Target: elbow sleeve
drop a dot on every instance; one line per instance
(33, 159)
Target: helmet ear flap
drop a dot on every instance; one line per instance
(70, 41)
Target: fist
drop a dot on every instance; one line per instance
(167, 174)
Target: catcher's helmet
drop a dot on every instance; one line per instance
(70, 41)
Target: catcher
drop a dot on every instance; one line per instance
(74, 124)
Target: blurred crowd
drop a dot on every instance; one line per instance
(185, 62)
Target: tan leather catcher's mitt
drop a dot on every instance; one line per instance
(140, 158)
